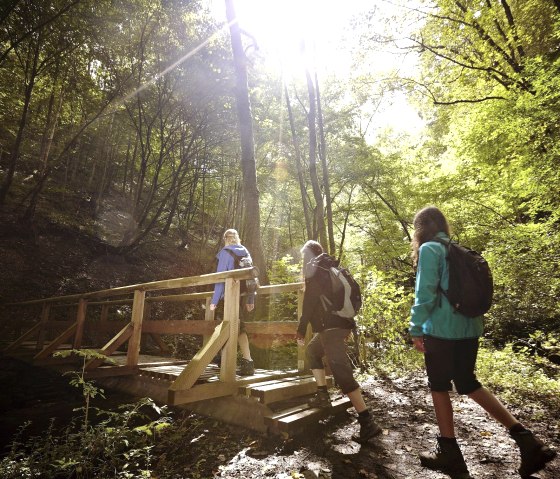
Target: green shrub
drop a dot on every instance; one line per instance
(519, 379)
(117, 445)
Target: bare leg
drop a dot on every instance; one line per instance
(243, 342)
(320, 377)
(357, 400)
(444, 413)
(493, 406)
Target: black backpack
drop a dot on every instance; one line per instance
(470, 280)
(344, 297)
(250, 285)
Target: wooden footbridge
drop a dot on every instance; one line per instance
(271, 401)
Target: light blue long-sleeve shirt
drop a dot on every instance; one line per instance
(227, 263)
(432, 314)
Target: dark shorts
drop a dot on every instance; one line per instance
(244, 315)
(451, 360)
(331, 344)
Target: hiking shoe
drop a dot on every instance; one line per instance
(320, 400)
(446, 458)
(368, 430)
(534, 453)
(246, 367)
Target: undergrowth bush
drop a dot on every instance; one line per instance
(117, 445)
(383, 324)
(519, 379)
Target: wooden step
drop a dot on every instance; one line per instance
(275, 391)
(292, 421)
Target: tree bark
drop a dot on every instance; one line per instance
(22, 122)
(311, 121)
(299, 169)
(252, 235)
(323, 157)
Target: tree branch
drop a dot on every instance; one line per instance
(38, 27)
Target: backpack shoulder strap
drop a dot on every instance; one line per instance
(235, 257)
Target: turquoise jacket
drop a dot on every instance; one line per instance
(432, 314)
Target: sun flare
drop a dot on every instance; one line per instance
(282, 28)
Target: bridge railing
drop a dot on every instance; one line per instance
(216, 335)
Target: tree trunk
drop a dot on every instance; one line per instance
(311, 121)
(46, 143)
(252, 236)
(323, 157)
(22, 124)
(299, 169)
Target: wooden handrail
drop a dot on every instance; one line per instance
(188, 281)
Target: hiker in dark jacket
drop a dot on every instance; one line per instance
(329, 340)
(449, 341)
(226, 262)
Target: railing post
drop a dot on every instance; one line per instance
(133, 352)
(231, 314)
(80, 322)
(43, 321)
(209, 315)
(147, 315)
(302, 366)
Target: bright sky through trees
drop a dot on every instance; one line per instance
(326, 27)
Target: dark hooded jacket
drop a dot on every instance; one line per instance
(317, 282)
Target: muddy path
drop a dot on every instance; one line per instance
(195, 447)
(402, 407)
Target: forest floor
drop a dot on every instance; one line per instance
(195, 447)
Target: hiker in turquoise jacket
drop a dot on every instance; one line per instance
(449, 341)
(430, 314)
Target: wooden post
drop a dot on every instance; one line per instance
(137, 314)
(104, 314)
(302, 366)
(208, 316)
(231, 315)
(43, 328)
(80, 322)
(147, 315)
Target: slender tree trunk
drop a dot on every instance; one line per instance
(346, 217)
(7, 183)
(252, 237)
(46, 143)
(323, 157)
(299, 169)
(311, 120)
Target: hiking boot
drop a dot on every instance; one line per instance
(246, 367)
(320, 400)
(446, 458)
(368, 430)
(534, 453)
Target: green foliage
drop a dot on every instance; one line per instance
(383, 323)
(527, 285)
(283, 307)
(517, 378)
(119, 446)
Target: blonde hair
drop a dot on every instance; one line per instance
(231, 236)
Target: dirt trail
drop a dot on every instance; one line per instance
(403, 408)
(201, 448)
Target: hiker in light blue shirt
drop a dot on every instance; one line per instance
(226, 262)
